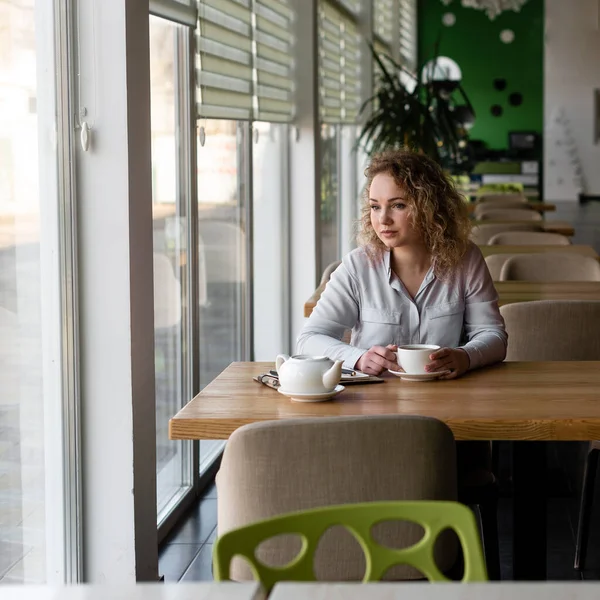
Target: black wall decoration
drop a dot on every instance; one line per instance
(496, 110)
(500, 84)
(516, 99)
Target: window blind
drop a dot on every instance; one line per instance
(179, 11)
(383, 23)
(274, 61)
(245, 66)
(408, 33)
(339, 65)
(224, 67)
(380, 49)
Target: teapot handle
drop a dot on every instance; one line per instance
(281, 358)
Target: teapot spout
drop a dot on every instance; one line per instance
(332, 377)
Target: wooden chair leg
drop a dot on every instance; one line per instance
(585, 510)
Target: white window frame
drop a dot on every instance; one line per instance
(116, 296)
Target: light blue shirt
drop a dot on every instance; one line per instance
(369, 299)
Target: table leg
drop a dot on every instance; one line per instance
(529, 511)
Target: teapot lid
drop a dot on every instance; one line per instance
(308, 358)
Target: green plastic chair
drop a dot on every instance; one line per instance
(359, 519)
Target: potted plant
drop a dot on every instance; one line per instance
(416, 111)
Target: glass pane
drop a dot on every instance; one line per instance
(270, 222)
(29, 270)
(349, 194)
(173, 467)
(221, 251)
(329, 196)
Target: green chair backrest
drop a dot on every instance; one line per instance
(358, 519)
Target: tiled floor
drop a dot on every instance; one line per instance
(187, 554)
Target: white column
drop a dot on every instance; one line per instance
(305, 166)
(116, 295)
(572, 74)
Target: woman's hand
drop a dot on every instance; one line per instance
(377, 359)
(454, 359)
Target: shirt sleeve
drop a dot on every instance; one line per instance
(483, 324)
(336, 311)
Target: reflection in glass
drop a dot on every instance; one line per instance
(23, 381)
(329, 196)
(270, 235)
(221, 251)
(169, 259)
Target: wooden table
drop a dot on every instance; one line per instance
(525, 291)
(419, 591)
(517, 291)
(540, 207)
(562, 227)
(581, 250)
(140, 591)
(511, 401)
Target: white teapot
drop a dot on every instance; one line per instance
(302, 374)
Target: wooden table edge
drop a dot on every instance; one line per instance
(532, 429)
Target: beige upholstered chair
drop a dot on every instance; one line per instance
(510, 214)
(276, 467)
(533, 334)
(329, 269)
(520, 238)
(483, 207)
(553, 266)
(482, 233)
(495, 263)
(513, 198)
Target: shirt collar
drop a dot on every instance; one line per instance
(429, 276)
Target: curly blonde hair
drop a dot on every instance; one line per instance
(436, 209)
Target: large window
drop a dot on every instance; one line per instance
(222, 240)
(330, 199)
(34, 289)
(270, 218)
(170, 203)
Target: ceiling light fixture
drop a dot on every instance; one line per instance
(492, 8)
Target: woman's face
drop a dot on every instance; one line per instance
(390, 216)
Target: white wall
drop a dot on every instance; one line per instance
(572, 72)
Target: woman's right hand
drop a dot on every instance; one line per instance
(377, 359)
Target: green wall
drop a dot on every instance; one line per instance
(474, 43)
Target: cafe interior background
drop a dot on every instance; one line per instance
(175, 178)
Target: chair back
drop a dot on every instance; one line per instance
(495, 263)
(482, 233)
(483, 207)
(499, 198)
(167, 293)
(537, 238)
(510, 214)
(359, 520)
(276, 467)
(223, 244)
(552, 330)
(329, 269)
(551, 266)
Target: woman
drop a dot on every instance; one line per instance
(415, 279)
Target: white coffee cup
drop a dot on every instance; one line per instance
(413, 358)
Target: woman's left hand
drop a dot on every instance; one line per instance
(456, 360)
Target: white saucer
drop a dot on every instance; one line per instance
(313, 397)
(419, 376)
